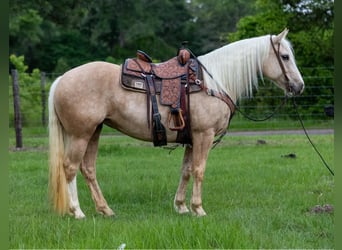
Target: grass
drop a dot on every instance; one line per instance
(253, 195)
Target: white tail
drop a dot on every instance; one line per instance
(58, 190)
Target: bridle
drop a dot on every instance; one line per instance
(281, 64)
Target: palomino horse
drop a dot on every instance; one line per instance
(88, 96)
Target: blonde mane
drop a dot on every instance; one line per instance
(236, 66)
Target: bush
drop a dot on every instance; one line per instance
(29, 91)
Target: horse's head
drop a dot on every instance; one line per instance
(280, 66)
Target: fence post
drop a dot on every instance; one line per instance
(43, 94)
(17, 114)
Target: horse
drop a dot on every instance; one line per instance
(90, 95)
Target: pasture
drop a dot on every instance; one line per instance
(254, 195)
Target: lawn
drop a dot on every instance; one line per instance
(255, 197)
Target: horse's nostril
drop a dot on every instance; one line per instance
(301, 88)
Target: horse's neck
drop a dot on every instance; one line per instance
(235, 67)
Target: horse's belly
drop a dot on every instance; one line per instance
(132, 119)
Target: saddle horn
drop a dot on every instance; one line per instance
(183, 54)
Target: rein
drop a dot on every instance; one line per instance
(307, 136)
(277, 53)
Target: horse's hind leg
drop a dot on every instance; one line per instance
(88, 170)
(180, 197)
(75, 150)
(75, 208)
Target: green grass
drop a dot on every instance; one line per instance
(254, 197)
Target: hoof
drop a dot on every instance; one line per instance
(106, 212)
(79, 216)
(181, 209)
(197, 210)
(77, 213)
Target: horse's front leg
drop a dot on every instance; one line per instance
(202, 143)
(180, 196)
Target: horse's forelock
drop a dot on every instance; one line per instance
(288, 45)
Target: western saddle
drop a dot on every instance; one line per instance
(173, 80)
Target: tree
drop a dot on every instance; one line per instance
(213, 20)
(310, 22)
(25, 31)
(55, 35)
(122, 27)
(29, 92)
(311, 33)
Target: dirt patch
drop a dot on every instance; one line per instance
(318, 209)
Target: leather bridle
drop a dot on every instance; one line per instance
(281, 64)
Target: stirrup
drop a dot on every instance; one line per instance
(177, 123)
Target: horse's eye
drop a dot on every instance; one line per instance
(285, 57)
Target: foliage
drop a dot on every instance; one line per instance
(310, 22)
(29, 90)
(312, 36)
(80, 31)
(212, 20)
(55, 36)
(25, 30)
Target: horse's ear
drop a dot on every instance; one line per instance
(282, 35)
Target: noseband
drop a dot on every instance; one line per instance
(281, 64)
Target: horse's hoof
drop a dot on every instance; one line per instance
(80, 217)
(181, 209)
(79, 214)
(76, 212)
(198, 210)
(106, 212)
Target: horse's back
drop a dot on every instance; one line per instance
(97, 70)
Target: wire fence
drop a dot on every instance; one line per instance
(262, 104)
(316, 104)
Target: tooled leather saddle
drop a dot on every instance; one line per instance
(173, 81)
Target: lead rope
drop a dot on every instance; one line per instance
(312, 144)
(217, 141)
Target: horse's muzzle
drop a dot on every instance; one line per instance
(295, 89)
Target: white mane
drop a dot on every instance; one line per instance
(236, 66)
